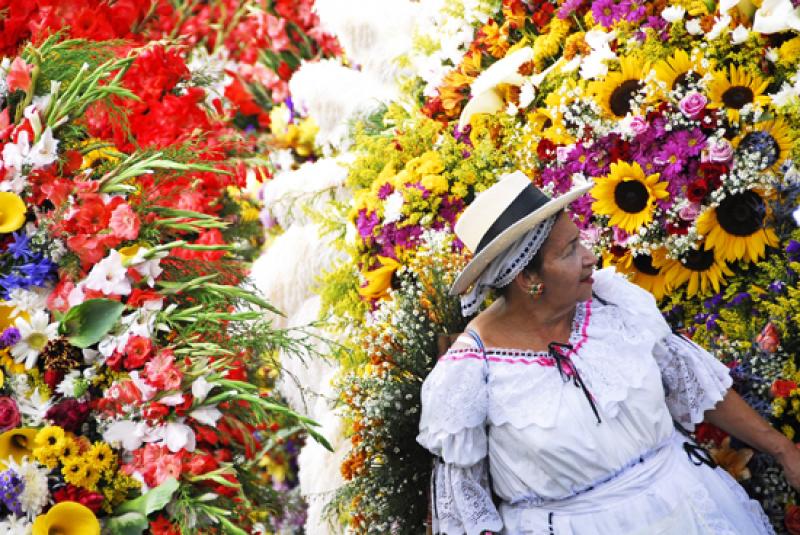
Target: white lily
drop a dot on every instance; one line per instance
(776, 16)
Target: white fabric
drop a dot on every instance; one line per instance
(502, 270)
(463, 503)
(545, 444)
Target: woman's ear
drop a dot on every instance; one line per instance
(524, 279)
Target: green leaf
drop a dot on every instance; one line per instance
(152, 500)
(89, 322)
(127, 524)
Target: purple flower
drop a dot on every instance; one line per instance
(568, 8)
(607, 12)
(385, 190)
(462, 136)
(738, 299)
(9, 337)
(450, 208)
(711, 322)
(672, 156)
(11, 486)
(713, 302)
(366, 223)
(636, 11)
(793, 249)
(693, 104)
(776, 287)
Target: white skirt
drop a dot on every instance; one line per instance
(664, 495)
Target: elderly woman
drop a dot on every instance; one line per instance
(566, 396)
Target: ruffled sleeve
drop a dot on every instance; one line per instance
(694, 380)
(453, 427)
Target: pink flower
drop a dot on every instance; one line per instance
(689, 212)
(639, 125)
(124, 222)
(19, 75)
(161, 372)
(718, 151)
(9, 414)
(155, 463)
(693, 104)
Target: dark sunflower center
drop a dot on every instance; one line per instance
(686, 80)
(764, 144)
(741, 214)
(622, 96)
(644, 263)
(737, 96)
(631, 196)
(699, 260)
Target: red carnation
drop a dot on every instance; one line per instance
(697, 190)
(87, 498)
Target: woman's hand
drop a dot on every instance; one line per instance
(789, 458)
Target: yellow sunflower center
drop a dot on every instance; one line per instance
(741, 214)
(622, 96)
(644, 263)
(699, 260)
(631, 196)
(737, 96)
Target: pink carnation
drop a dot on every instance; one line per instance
(162, 373)
(124, 222)
(155, 463)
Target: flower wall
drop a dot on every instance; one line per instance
(136, 360)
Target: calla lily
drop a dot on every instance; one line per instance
(12, 212)
(487, 102)
(67, 518)
(776, 16)
(16, 444)
(379, 280)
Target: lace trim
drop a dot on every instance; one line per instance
(463, 501)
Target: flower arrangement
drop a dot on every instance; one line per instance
(129, 347)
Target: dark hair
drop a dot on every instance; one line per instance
(532, 267)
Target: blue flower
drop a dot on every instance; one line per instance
(20, 247)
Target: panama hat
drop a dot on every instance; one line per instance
(500, 216)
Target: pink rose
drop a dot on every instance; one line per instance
(689, 212)
(124, 222)
(9, 414)
(718, 151)
(639, 125)
(693, 104)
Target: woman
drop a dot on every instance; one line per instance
(566, 394)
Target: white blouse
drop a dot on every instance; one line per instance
(544, 441)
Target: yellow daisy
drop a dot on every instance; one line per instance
(700, 269)
(735, 89)
(616, 91)
(772, 139)
(679, 70)
(101, 455)
(640, 270)
(736, 228)
(627, 196)
(52, 439)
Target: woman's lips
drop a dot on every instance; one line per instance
(588, 280)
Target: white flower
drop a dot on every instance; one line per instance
(693, 27)
(201, 388)
(392, 209)
(35, 494)
(727, 5)
(44, 152)
(720, 25)
(505, 71)
(739, 35)
(207, 415)
(776, 16)
(33, 406)
(772, 54)
(14, 525)
(146, 390)
(785, 95)
(128, 433)
(109, 275)
(796, 215)
(27, 301)
(179, 436)
(172, 400)
(34, 335)
(16, 154)
(486, 102)
(150, 269)
(527, 92)
(67, 385)
(673, 13)
(594, 65)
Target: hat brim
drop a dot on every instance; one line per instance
(479, 262)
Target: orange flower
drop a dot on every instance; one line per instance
(494, 38)
(734, 461)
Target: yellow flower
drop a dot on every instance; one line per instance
(641, 270)
(436, 184)
(379, 280)
(6, 319)
(52, 438)
(100, 155)
(772, 140)
(737, 228)
(679, 69)
(67, 518)
(627, 196)
(70, 450)
(101, 455)
(789, 52)
(700, 268)
(616, 91)
(736, 88)
(12, 212)
(16, 444)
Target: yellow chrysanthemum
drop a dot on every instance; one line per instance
(771, 139)
(640, 270)
(699, 268)
(735, 89)
(67, 518)
(52, 438)
(70, 451)
(12, 212)
(737, 228)
(101, 455)
(679, 70)
(627, 196)
(615, 93)
(73, 471)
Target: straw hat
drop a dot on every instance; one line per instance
(501, 215)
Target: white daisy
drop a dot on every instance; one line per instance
(16, 526)
(34, 335)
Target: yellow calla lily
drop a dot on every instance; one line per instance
(16, 443)
(12, 212)
(67, 518)
(6, 320)
(379, 280)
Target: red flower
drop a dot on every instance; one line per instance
(9, 414)
(712, 173)
(87, 498)
(156, 72)
(769, 338)
(546, 149)
(705, 433)
(792, 519)
(782, 388)
(138, 351)
(19, 75)
(124, 222)
(69, 414)
(697, 190)
(162, 526)
(52, 378)
(57, 300)
(138, 297)
(156, 411)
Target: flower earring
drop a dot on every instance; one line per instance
(536, 289)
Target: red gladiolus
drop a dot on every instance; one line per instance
(19, 75)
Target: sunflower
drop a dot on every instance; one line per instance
(735, 89)
(771, 139)
(640, 270)
(616, 91)
(736, 228)
(700, 268)
(679, 70)
(627, 196)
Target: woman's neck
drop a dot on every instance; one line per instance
(547, 321)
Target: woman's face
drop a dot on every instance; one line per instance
(567, 265)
